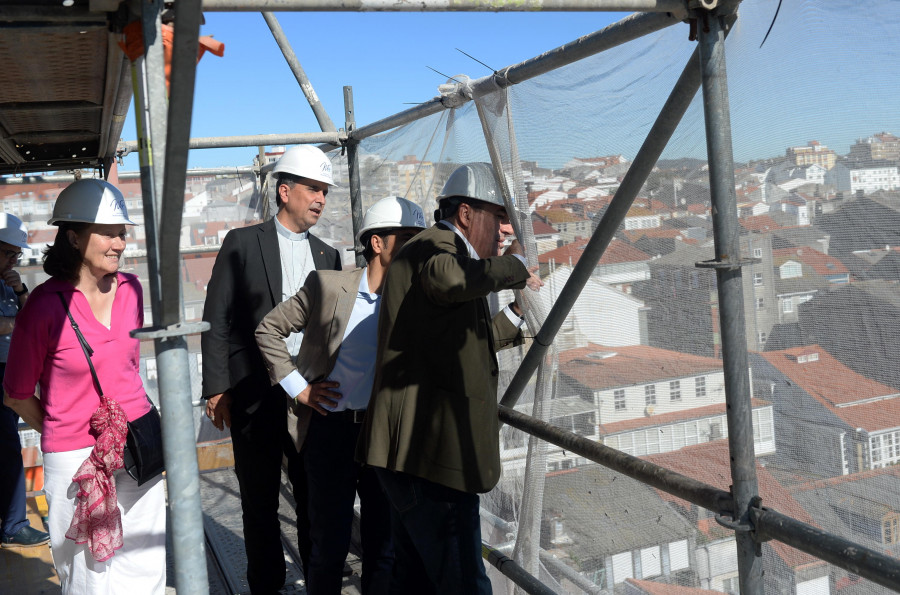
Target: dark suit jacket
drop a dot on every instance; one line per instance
(321, 309)
(245, 285)
(433, 412)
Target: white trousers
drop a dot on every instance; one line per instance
(139, 566)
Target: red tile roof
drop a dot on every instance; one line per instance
(759, 223)
(669, 418)
(820, 262)
(541, 228)
(852, 397)
(651, 588)
(617, 252)
(709, 463)
(631, 365)
(555, 215)
(826, 379)
(698, 209)
(657, 232)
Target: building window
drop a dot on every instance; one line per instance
(788, 305)
(619, 398)
(762, 339)
(885, 449)
(675, 390)
(757, 279)
(890, 528)
(700, 386)
(150, 363)
(757, 253)
(760, 303)
(650, 394)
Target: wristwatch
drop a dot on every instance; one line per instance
(23, 292)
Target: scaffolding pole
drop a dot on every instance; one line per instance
(628, 29)
(353, 171)
(267, 140)
(729, 279)
(169, 134)
(325, 123)
(669, 117)
(674, 6)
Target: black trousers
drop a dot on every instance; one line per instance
(260, 439)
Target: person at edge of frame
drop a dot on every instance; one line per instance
(15, 529)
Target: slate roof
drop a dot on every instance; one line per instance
(605, 513)
(709, 463)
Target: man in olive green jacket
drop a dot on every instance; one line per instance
(431, 429)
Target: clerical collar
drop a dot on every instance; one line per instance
(288, 234)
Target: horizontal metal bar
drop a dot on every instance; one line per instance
(127, 175)
(221, 142)
(628, 29)
(510, 569)
(444, 5)
(423, 110)
(658, 477)
(843, 553)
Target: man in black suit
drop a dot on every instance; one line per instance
(258, 267)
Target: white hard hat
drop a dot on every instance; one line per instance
(392, 212)
(473, 180)
(305, 161)
(12, 231)
(90, 201)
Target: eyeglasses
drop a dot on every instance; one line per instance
(12, 254)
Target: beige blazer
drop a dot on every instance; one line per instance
(321, 309)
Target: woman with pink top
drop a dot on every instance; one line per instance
(107, 533)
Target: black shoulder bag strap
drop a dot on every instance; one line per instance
(85, 346)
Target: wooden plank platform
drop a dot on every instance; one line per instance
(29, 571)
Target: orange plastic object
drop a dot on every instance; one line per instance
(133, 45)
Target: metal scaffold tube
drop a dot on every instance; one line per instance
(510, 569)
(875, 566)
(669, 117)
(731, 298)
(325, 123)
(444, 5)
(356, 211)
(628, 29)
(224, 142)
(658, 477)
(168, 137)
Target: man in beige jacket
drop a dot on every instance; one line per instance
(329, 385)
(432, 428)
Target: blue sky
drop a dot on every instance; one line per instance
(383, 56)
(826, 73)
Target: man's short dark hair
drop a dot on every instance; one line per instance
(366, 240)
(286, 179)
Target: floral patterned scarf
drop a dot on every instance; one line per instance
(97, 520)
